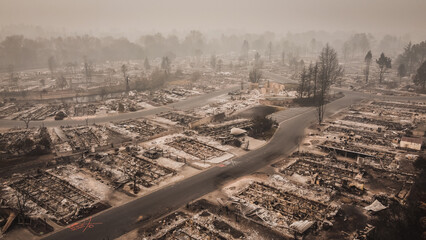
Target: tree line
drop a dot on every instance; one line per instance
(21, 53)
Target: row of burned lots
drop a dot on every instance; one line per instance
(140, 129)
(179, 118)
(203, 219)
(121, 167)
(85, 138)
(360, 158)
(348, 175)
(227, 132)
(43, 193)
(22, 142)
(69, 192)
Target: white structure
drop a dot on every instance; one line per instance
(238, 131)
(376, 206)
(411, 143)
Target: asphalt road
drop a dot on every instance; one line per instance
(120, 220)
(278, 78)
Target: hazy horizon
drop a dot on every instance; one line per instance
(132, 18)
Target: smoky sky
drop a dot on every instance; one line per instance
(281, 16)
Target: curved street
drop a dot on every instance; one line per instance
(120, 220)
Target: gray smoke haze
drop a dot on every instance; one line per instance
(280, 16)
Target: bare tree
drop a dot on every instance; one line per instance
(165, 64)
(61, 82)
(329, 70)
(257, 61)
(219, 65)
(133, 176)
(43, 92)
(384, 63)
(125, 76)
(11, 70)
(27, 121)
(294, 65)
(420, 77)
(213, 62)
(270, 51)
(313, 79)
(367, 60)
(103, 92)
(245, 50)
(88, 69)
(110, 72)
(402, 71)
(70, 68)
(146, 64)
(303, 82)
(255, 75)
(51, 62)
(308, 79)
(21, 204)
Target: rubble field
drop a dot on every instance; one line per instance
(183, 226)
(203, 219)
(362, 136)
(120, 168)
(222, 132)
(83, 138)
(284, 206)
(413, 107)
(21, 142)
(139, 129)
(179, 118)
(353, 150)
(387, 124)
(195, 148)
(332, 174)
(62, 201)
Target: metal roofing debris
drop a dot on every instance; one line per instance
(376, 206)
(301, 226)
